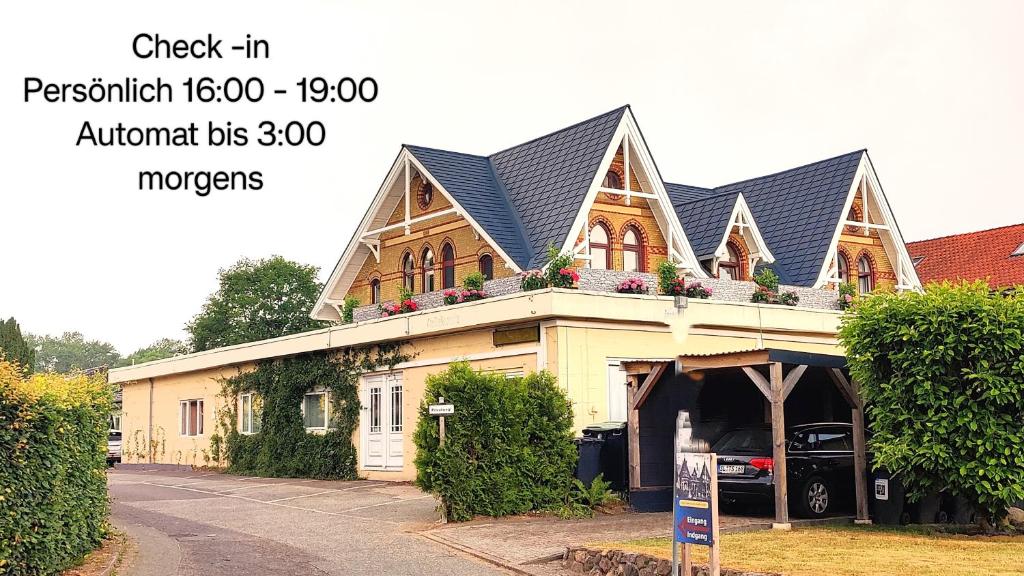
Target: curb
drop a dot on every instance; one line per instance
(495, 560)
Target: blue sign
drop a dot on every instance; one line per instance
(694, 501)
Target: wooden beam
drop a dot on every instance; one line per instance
(731, 360)
(839, 379)
(759, 381)
(791, 379)
(639, 366)
(648, 385)
(779, 448)
(860, 480)
(633, 432)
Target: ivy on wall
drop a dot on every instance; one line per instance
(283, 447)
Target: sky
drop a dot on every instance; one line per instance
(723, 91)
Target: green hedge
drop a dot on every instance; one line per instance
(53, 489)
(943, 376)
(508, 447)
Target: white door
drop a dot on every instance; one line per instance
(617, 392)
(381, 421)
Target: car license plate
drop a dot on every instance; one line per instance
(730, 468)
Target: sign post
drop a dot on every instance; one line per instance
(440, 410)
(694, 499)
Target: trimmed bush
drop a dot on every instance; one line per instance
(53, 485)
(943, 376)
(508, 447)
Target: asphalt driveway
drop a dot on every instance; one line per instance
(210, 524)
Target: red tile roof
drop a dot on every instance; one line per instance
(975, 255)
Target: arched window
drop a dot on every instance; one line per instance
(612, 180)
(447, 266)
(729, 267)
(865, 276)
(632, 251)
(487, 266)
(408, 272)
(375, 291)
(844, 267)
(600, 252)
(428, 270)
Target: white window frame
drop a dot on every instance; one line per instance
(250, 429)
(115, 421)
(327, 410)
(183, 422)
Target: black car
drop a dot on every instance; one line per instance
(819, 466)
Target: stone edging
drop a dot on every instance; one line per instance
(592, 562)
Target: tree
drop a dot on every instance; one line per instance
(943, 376)
(71, 351)
(162, 348)
(13, 346)
(256, 300)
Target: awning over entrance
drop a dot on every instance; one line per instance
(775, 373)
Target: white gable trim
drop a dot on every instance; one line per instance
(359, 245)
(742, 217)
(628, 135)
(888, 231)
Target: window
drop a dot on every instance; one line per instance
(375, 291)
(425, 195)
(428, 270)
(918, 259)
(252, 420)
(487, 266)
(396, 407)
(600, 254)
(375, 409)
(115, 422)
(314, 410)
(632, 251)
(844, 267)
(865, 277)
(729, 267)
(833, 441)
(612, 180)
(447, 266)
(408, 272)
(191, 417)
(1018, 252)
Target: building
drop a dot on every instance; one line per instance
(996, 256)
(592, 190)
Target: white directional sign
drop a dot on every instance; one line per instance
(441, 409)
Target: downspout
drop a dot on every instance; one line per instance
(149, 436)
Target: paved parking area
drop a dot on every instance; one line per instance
(211, 524)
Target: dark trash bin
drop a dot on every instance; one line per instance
(589, 464)
(614, 457)
(887, 495)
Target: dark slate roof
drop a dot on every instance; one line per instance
(680, 193)
(547, 178)
(705, 221)
(471, 181)
(797, 212)
(527, 196)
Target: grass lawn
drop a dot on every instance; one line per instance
(856, 551)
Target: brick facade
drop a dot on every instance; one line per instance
(432, 233)
(853, 244)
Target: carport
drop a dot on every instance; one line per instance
(657, 390)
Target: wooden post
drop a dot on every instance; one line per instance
(687, 564)
(633, 431)
(859, 457)
(779, 448)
